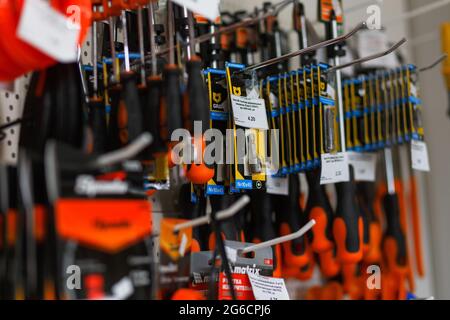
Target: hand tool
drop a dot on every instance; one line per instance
(198, 172)
(290, 217)
(394, 242)
(97, 111)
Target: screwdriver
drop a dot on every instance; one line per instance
(172, 100)
(196, 96)
(318, 207)
(394, 242)
(130, 116)
(290, 217)
(96, 104)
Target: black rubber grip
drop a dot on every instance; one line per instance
(97, 122)
(130, 97)
(347, 210)
(230, 228)
(197, 94)
(291, 214)
(151, 114)
(172, 95)
(113, 123)
(394, 229)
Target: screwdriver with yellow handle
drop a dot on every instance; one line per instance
(445, 35)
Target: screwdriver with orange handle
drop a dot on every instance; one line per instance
(318, 207)
(172, 98)
(196, 97)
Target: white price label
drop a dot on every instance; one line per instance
(49, 31)
(249, 113)
(364, 165)
(277, 186)
(335, 168)
(231, 254)
(372, 42)
(266, 288)
(207, 8)
(419, 156)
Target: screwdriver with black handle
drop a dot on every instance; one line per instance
(196, 97)
(394, 241)
(290, 218)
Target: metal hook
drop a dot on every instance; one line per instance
(221, 215)
(312, 48)
(139, 144)
(435, 63)
(369, 58)
(280, 240)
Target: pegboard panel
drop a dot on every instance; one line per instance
(11, 108)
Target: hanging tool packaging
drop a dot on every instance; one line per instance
(172, 151)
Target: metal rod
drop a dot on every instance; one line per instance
(113, 48)
(125, 41)
(151, 27)
(205, 37)
(95, 57)
(191, 34)
(315, 47)
(280, 240)
(390, 178)
(170, 32)
(339, 94)
(435, 63)
(141, 43)
(369, 58)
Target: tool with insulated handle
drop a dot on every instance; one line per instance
(290, 217)
(318, 207)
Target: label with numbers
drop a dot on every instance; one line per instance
(277, 186)
(266, 288)
(249, 113)
(419, 156)
(335, 168)
(207, 8)
(364, 165)
(49, 31)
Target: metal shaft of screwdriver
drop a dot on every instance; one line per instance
(113, 48)
(94, 57)
(390, 178)
(141, 43)
(125, 41)
(191, 33)
(151, 27)
(340, 98)
(170, 28)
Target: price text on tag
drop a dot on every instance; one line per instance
(207, 8)
(419, 156)
(364, 165)
(266, 288)
(249, 113)
(49, 31)
(335, 168)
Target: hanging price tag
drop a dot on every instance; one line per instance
(249, 113)
(335, 168)
(49, 31)
(419, 156)
(266, 288)
(207, 8)
(277, 186)
(364, 165)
